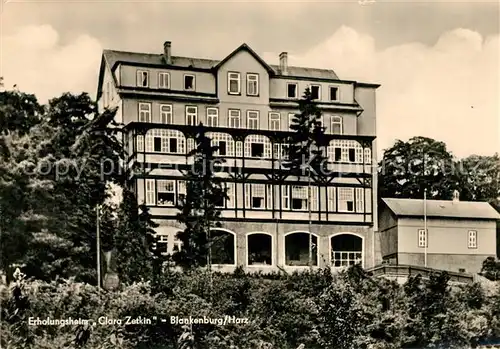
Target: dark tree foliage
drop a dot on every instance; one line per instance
(133, 240)
(306, 146)
(18, 112)
(480, 178)
(199, 213)
(402, 173)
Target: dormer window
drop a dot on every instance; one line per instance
(334, 93)
(163, 80)
(315, 91)
(189, 82)
(292, 90)
(234, 83)
(142, 78)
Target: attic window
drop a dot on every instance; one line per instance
(142, 78)
(334, 93)
(189, 82)
(292, 90)
(315, 91)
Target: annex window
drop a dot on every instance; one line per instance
(315, 91)
(346, 199)
(334, 93)
(150, 192)
(224, 142)
(191, 115)
(252, 84)
(166, 115)
(332, 204)
(234, 118)
(189, 82)
(212, 117)
(345, 151)
(142, 78)
(274, 121)
(163, 80)
(336, 125)
(257, 146)
(255, 196)
(165, 141)
(144, 112)
(292, 90)
(165, 192)
(422, 238)
(233, 83)
(253, 120)
(472, 239)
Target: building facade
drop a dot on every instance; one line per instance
(247, 106)
(460, 235)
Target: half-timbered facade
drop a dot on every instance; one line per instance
(247, 105)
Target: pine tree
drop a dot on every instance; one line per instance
(199, 212)
(305, 148)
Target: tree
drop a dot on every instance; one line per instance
(18, 112)
(480, 178)
(133, 240)
(305, 148)
(421, 164)
(199, 213)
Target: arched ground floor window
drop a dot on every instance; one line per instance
(346, 250)
(259, 249)
(223, 247)
(297, 249)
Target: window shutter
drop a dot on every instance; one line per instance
(247, 196)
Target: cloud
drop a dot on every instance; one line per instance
(34, 59)
(448, 91)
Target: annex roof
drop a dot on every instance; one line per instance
(441, 208)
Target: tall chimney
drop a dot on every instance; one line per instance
(167, 51)
(456, 196)
(284, 63)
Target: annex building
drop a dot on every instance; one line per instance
(246, 105)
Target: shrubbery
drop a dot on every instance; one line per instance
(347, 310)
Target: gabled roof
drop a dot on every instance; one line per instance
(245, 47)
(441, 208)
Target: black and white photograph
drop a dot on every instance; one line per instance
(249, 174)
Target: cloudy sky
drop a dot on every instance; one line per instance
(438, 63)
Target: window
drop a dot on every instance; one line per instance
(189, 82)
(165, 141)
(219, 201)
(181, 191)
(299, 198)
(163, 80)
(230, 195)
(257, 146)
(252, 84)
(368, 156)
(142, 78)
(290, 120)
(191, 115)
(274, 121)
(360, 200)
(165, 192)
(253, 120)
(472, 240)
(223, 141)
(315, 91)
(234, 118)
(212, 117)
(346, 199)
(144, 112)
(336, 126)
(150, 191)
(334, 93)
(233, 83)
(166, 116)
(255, 196)
(331, 199)
(345, 151)
(285, 197)
(291, 90)
(422, 238)
(270, 195)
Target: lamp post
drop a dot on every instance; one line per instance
(98, 244)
